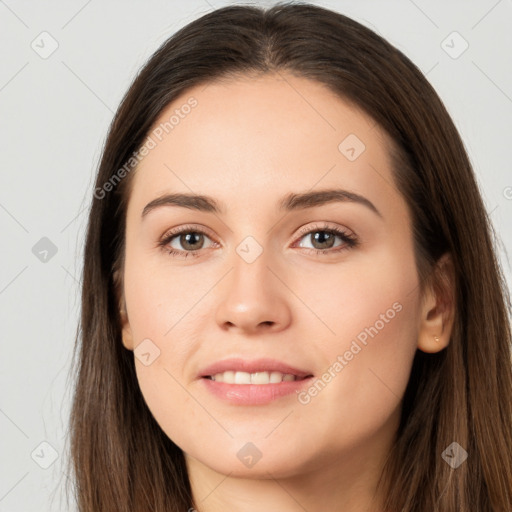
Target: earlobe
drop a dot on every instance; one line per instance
(432, 344)
(438, 308)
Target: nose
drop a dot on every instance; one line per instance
(253, 298)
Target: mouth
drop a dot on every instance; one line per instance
(257, 378)
(253, 382)
(253, 371)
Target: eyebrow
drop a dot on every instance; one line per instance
(291, 202)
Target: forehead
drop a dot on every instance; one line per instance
(257, 135)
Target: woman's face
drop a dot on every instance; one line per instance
(261, 285)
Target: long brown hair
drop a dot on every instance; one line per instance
(121, 459)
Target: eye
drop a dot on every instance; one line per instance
(191, 239)
(323, 239)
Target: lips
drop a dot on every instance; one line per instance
(254, 382)
(255, 366)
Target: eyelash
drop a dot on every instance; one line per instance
(349, 239)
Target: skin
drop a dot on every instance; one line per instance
(249, 142)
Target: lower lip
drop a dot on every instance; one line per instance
(254, 394)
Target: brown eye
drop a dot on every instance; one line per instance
(191, 241)
(184, 241)
(323, 240)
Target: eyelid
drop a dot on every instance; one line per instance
(323, 226)
(186, 228)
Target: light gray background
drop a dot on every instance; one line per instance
(54, 115)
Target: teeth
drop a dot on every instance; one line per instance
(260, 378)
(242, 378)
(231, 377)
(275, 377)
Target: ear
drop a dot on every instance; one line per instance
(438, 307)
(126, 332)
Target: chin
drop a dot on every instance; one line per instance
(252, 460)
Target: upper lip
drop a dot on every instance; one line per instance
(252, 366)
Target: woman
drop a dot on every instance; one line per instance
(291, 296)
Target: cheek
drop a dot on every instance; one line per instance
(162, 319)
(162, 301)
(367, 360)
